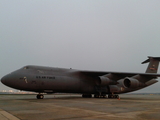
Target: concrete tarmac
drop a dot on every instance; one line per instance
(74, 107)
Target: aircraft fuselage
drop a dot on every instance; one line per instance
(59, 80)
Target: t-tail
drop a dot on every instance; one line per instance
(153, 64)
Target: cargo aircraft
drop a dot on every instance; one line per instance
(100, 83)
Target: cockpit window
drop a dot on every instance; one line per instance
(26, 67)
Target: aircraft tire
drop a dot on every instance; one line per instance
(117, 96)
(96, 96)
(103, 95)
(39, 96)
(113, 96)
(87, 95)
(109, 96)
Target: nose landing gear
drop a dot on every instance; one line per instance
(40, 96)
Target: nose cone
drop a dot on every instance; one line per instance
(15, 79)
(9, 80)
(2, 80)
(5, 80)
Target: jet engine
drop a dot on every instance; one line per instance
(130, 83)
(115, 89)
(104, 81)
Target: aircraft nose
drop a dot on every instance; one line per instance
(8, 80)
(5, 80)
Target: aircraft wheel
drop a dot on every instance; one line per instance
(90, 95)
(87, 95)
(117, 96)
(40, 96)
(96, 96)
(103, 95)
(111, 96)
(108, 96)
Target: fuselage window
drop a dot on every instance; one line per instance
(38, 76)
(51, 77)
(45, 77)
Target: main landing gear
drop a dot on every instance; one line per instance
(104, 96)
(113, 96)
(99, 95)
(87, 95)
(40, 96)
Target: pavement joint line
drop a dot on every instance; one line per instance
(7, 116)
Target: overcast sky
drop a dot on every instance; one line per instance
(103, 35)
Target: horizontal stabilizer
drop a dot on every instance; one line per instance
(151, 58)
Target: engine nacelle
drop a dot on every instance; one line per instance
(104, 81)
(130, 83)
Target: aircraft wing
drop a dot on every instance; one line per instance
(151, 71)
(118, 75)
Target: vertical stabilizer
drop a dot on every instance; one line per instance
(153, 64)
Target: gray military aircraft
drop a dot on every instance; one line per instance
(100, 83)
